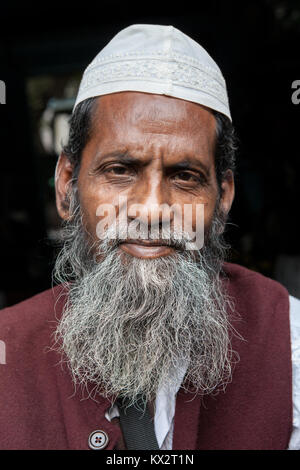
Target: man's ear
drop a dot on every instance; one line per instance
(228, 191)
(63, 177)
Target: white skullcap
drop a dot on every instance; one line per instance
(156, 59)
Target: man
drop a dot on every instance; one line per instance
(144, 320)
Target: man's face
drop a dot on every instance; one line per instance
(130, 326)
(152, 150)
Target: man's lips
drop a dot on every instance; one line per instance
(147, 248)
(147, 242)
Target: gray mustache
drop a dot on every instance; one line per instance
(176, 240)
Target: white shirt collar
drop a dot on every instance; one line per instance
(164, 407)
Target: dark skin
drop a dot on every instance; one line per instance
(153, 149)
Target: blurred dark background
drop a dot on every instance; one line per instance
(44, 49)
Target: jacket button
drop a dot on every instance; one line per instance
(98, 440)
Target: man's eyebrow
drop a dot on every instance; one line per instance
(188, 163)
(122, 155)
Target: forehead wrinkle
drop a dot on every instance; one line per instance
(158, 121)
(153, 120)
(154, 114)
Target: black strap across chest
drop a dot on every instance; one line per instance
(137, 426)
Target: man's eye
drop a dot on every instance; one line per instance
(184, 176)
(117, 170)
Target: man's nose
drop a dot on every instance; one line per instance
(150, 203)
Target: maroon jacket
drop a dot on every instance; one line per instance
(39, 409)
